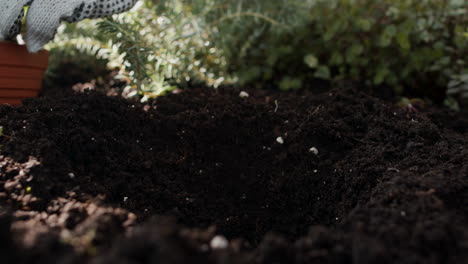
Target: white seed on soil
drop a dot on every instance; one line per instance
(314, 150)
(219, 242)
(71, 175)
(125, 198)
(243, 94)
(403, 213)
(280, 140)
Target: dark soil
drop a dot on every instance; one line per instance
(88, 178)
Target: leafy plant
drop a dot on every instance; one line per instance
(404, 45)
(136, 55)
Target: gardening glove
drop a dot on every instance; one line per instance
(44, 16)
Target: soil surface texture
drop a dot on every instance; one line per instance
(208, 176)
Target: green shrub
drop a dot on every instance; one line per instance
(182, 42)
(401, 44)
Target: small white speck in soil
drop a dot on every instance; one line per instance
(314, 150)
(243, 94)
(280, 140)
(219, 242)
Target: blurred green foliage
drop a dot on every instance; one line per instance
(402, 44)
(399, 44)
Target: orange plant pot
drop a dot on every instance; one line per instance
(21, 72)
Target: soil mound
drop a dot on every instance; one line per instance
(340, 177)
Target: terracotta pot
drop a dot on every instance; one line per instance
(21, 72)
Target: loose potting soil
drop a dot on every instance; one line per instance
(207, 176)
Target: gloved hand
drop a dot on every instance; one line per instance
(44, 16)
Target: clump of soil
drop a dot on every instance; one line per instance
(67, 75)
(339, 177)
